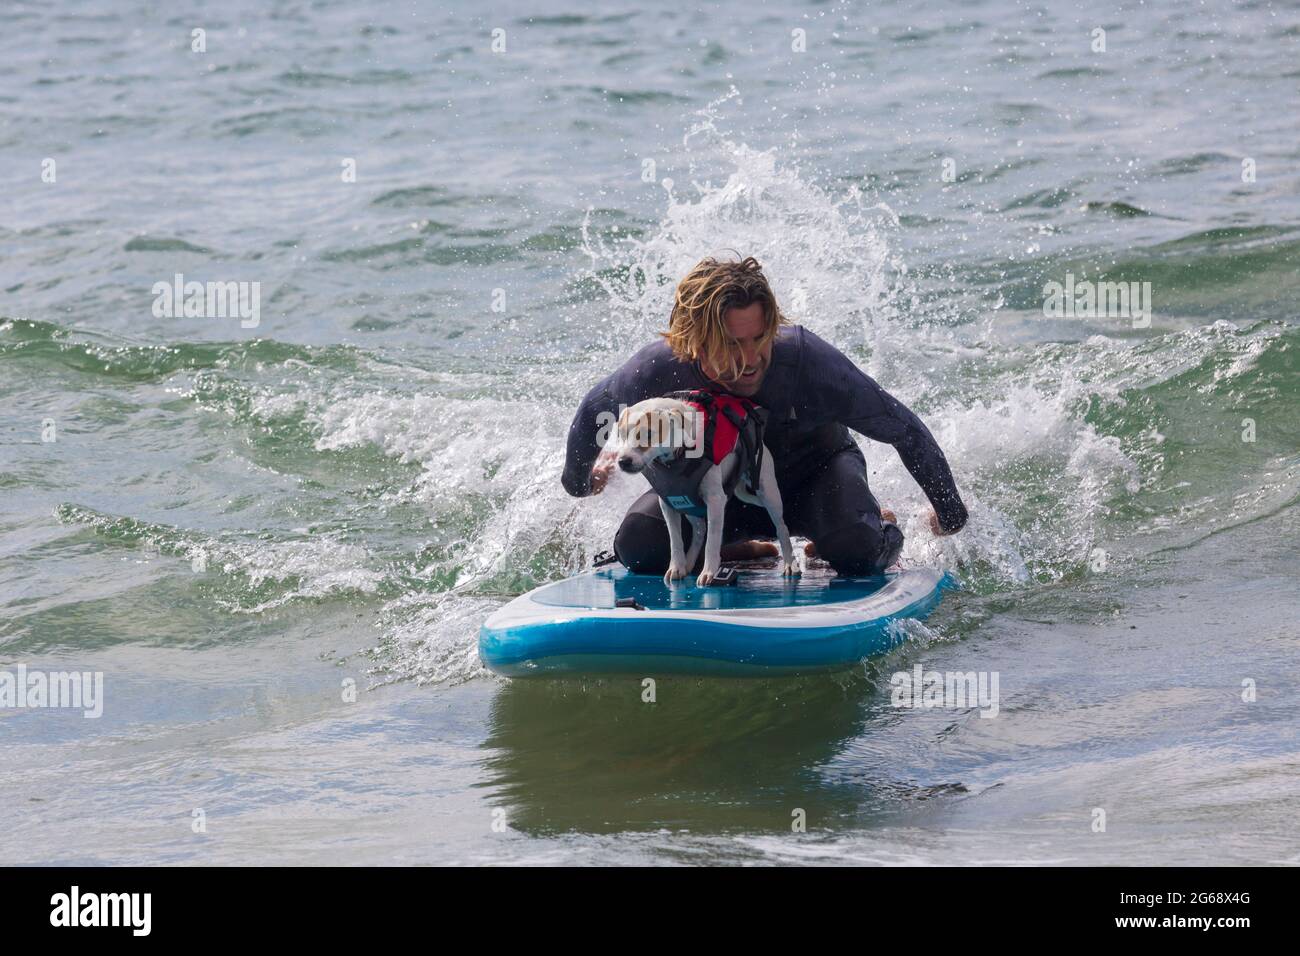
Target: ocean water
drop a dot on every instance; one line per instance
(277, 541)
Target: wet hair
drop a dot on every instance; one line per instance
(696, 329)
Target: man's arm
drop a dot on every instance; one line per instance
(841, 391)
(583, 446)
(651, 371)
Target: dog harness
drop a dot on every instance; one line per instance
(729, 421)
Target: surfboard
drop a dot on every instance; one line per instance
(763, 625)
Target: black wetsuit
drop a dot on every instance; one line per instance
(811, 391)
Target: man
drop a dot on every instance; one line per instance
(726, 332)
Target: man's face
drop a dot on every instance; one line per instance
(745, 327)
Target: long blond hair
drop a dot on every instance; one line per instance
(696, 329)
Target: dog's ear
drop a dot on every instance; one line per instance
(654, 427)
(632, 425)
(679, 423)
(690, 421)
(640, 428)
(667, 427)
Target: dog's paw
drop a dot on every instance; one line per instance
(675, 573)
(706, 577)
(791, 569)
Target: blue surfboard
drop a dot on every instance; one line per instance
(763, 625)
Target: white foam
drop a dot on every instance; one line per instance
(1015, 427)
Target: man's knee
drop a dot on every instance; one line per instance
(861, 548)
(641, 543)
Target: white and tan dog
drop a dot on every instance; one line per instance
(664, 429)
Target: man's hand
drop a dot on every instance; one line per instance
(601, 470)
(935, 526)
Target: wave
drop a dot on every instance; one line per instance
(447, 480)
(1239, 274)
(49, 344)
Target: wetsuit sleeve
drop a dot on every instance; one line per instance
(651, 371)
(840, 391)
(585, 438)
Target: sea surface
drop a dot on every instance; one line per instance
(277, 541)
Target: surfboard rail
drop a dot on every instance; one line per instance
(534, 637)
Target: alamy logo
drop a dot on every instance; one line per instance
(208, 300)
(1096, 300)
(667, 430)
(924, 689)
(103, 909)
(82, 690)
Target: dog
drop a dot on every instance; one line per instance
(675, 444)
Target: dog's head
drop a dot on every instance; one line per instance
(655, 428)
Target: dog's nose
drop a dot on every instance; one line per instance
(625, 463)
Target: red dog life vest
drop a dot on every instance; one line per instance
(729, 421)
